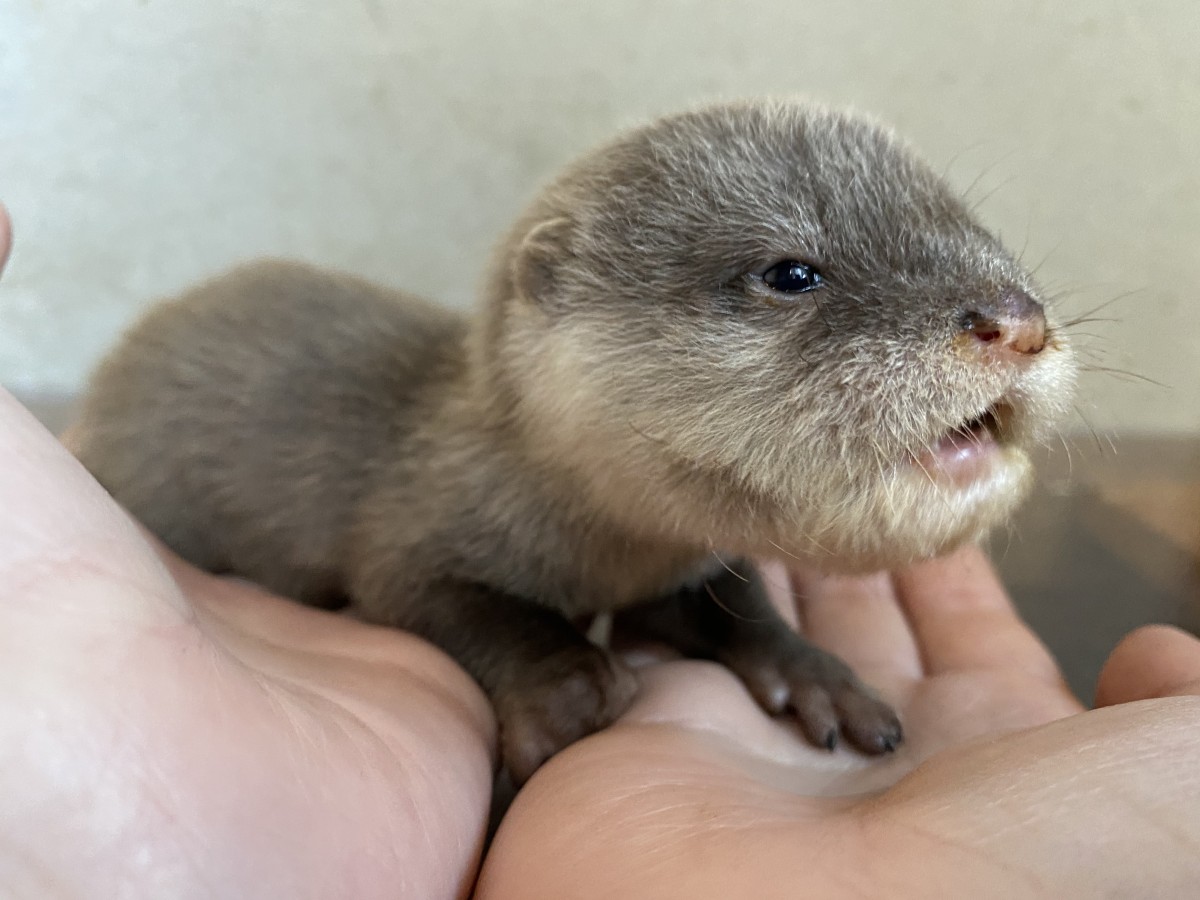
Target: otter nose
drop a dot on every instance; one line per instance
(1014, 321)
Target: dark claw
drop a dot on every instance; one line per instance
(892, 739)
(831, 739)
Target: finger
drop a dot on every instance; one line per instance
(860, 620)
(1154, 661)
(964, 620)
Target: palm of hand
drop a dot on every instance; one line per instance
(175, 734)
(1003, 781)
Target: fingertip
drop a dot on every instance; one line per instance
(1150, 662)
(5, 235)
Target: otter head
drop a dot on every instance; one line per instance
(771, 328)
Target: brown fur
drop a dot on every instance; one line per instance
(630, 398)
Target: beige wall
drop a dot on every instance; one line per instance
(145, 143)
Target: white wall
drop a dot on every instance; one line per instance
(146, 143)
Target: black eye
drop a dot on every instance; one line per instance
(792, 277)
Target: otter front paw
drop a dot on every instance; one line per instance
(789, 675)
(554, 701)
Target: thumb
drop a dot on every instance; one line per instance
(1151, 662)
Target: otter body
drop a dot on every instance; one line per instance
(310, 421)
(751, 329)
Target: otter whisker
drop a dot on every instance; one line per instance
(1123, 374)
(708, 589)
(1046, 258)
(808, 537)
(974, 207)
(1087, 334)
(987, 170)
(1067, 447)
(1010, 534)
(1091, 429)
(959, 154)
(1125, 295)
(786, 553)
(1025, 243)
(1085, 320)
(1088, 355)
(725, 566)
(1056, 291)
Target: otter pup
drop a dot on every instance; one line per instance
(750, 329)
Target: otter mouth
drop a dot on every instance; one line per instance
(966, 452)
(989, 427)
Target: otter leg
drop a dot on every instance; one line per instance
(730, 619)
(548, 685)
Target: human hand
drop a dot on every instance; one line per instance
(171, 734)
(1005, 786)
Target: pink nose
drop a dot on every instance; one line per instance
(1015, 322)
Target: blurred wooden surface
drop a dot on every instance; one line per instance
(1110, 540)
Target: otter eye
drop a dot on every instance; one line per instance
(792, 277)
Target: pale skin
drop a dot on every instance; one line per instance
(168, 733)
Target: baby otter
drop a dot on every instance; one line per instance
(753, 329)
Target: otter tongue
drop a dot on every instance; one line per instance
(976, 435)
(964, 454)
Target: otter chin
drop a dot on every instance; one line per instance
(915, 514)
(749, 329)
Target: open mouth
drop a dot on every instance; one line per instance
(989, 428)
(967, 451)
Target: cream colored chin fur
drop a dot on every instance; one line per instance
(909, 518)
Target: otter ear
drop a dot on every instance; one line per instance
(536, 264)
